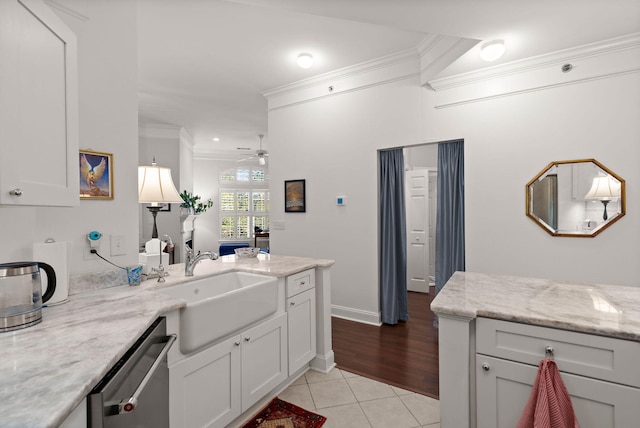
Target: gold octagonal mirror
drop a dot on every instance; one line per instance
(576, 198)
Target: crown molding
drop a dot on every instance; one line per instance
(159, 130)
(186, 139)
(67, 10)
(391, 68)
(346, 72)
(528, 65)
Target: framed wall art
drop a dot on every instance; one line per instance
(165, 207)
(294, 196)
(96, 175)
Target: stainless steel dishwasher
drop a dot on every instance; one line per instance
(135, 392)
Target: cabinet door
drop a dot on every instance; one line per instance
(205, 388)
(38, 106)
(301, 311)
(264, 359)
(503, 391)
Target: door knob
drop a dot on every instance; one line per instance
(16, 192)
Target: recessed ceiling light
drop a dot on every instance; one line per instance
(491, 51)
(305, 60)
(216, 139)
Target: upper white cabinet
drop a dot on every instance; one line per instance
(38, 107)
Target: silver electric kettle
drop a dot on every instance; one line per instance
(21, 295)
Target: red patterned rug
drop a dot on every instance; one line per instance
(280, 414)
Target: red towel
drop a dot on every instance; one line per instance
(549, 404)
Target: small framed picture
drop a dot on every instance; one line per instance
(96, 175)
(294, 196)
(165, 207)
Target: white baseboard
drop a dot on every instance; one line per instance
(357, 315)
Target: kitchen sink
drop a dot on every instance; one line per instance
(220, 305)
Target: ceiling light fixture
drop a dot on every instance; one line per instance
(305, 60)
(216, 139)
(491, 51)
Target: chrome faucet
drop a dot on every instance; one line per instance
(191, 261)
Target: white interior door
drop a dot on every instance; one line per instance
(417, 190)
(433, 192)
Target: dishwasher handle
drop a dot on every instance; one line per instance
(128, 405)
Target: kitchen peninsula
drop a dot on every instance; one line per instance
(48, 369)
(494, 331)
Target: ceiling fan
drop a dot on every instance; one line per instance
(260, 154)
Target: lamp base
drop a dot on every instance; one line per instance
(605, 216)
(154, 213)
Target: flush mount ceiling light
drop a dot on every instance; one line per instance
(305, 60)
(216, 139)
(491, 51)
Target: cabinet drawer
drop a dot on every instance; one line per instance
(300, 282)
(599, 357)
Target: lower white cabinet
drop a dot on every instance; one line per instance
(503, 388)
(301, 309)
(599, 373)
(214, 386)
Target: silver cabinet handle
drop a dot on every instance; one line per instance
(246, 339)
(549, 350)
(237, 343)
(16, 192)
(129, 405)
(486, 367)
(292, 303)
(302, 283)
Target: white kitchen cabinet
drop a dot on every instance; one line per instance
(599, 372)
(214, 386)
(301, 310)
(38, 107)
(503, 388)
(264, 359)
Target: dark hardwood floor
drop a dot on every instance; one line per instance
(403, 355)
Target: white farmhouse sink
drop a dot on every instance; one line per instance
(222, 304)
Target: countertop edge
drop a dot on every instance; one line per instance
(599, 309)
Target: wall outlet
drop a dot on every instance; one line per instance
(118, 244)
(87, 255)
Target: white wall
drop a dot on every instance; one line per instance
(332, 143)
(508, 140)
(108, 123)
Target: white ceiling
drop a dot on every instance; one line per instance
(203, 64)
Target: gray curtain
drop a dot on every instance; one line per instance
(450, 219)
(393, 238)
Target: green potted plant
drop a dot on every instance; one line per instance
(193, 203)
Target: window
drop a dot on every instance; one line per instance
(244, 202)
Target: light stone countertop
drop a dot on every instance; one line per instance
(607, 310)
(46, 370)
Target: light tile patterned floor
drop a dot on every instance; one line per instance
(352, 401)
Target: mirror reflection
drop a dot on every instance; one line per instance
(577, 198)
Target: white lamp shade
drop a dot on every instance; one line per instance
(604, 188)
(155, 185)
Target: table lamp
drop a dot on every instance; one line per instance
(155, 187)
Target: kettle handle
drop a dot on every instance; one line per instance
(51, 280)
